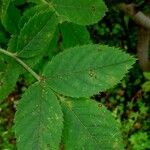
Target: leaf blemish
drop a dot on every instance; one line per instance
(93, 8)
(1, 83)
(92, 74)
(99, 105)
(69, 104)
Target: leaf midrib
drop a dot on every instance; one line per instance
(71, 6)
(85, 70)
(34, 36)
(93, 137)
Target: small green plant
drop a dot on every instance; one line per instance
(56, 111)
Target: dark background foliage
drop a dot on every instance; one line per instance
(128, 101)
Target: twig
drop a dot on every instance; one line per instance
(35, 75)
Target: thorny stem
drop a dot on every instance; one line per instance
(12, 55)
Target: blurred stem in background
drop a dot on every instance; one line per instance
(142, 19)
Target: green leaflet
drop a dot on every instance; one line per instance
(147, 75)
(41, 62)
(12, 71)
(38, 121)
(86, 70)
(10, 76)
(35, 36)
(89, 126)
(146, 86)
(32, 61)
(83, 12)
(73, 35)
(10, 16)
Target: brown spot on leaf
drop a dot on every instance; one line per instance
(99, 105)
(61, 147)
(93, 8)
(1, 83)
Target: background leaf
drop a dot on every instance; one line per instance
(10, 16)
(8, 78)
(73, 35)
(83, 12)
(38, 121)
(89, 125)
(86, 70)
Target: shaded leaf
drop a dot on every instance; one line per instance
(146, 86)
(8, 78)
(147, 75)
(73, 35)
(10, 16)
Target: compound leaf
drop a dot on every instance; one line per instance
(89, 125)
(83, 12)
(86, 70)
(35, 36)
(38, 121)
